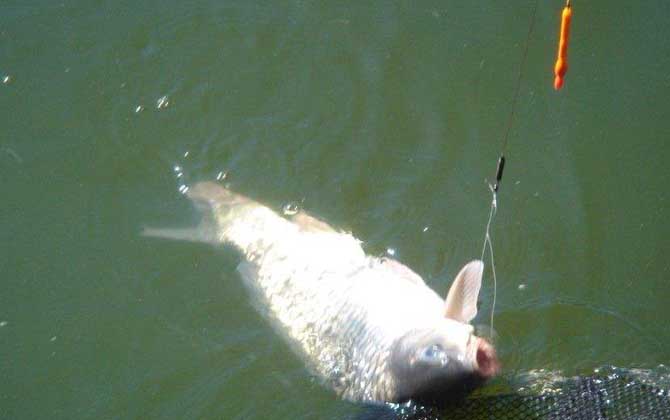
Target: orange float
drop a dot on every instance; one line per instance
(561, 66)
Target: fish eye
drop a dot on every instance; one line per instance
(433, 355)
(432, 351)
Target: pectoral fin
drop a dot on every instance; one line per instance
(461, 302)
(402, 271)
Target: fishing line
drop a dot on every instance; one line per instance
(487, 240)
(501, 165)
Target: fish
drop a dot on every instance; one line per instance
(368, 327)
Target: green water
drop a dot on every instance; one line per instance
(381, 117)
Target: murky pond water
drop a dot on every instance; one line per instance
(383, 118)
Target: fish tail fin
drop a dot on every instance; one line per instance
(181, 234)
(227, 217)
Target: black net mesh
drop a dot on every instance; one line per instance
(587, 398)
(612, 395)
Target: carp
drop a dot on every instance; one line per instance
(368, 327)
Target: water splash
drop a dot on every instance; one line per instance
(162, 102)
(290, 209)
(181, 177)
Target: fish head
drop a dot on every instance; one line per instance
(436, 366)
(443, 361)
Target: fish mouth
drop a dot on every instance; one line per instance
(486, 361)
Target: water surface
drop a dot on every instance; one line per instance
(384, 118)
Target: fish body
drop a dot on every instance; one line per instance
(369, 327)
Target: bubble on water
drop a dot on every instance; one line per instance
(53, 338)
(425, 229)
(390, 251)
(162, 102)
(221, 175)
(521, 286)
(6, 79)
(177, 168)
(3, 323)
(179, 174)
(183, 189)
(186, 153)
(290, 209)
(138, 109)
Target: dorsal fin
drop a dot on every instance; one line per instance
(461, 302)
(402, 271)
(309, 223)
